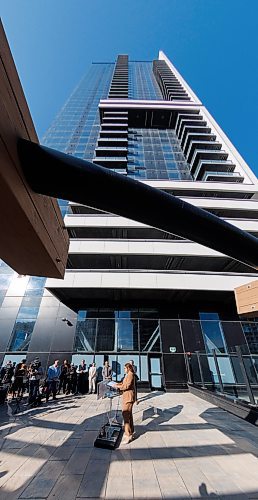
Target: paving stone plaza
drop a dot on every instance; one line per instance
(184, 448)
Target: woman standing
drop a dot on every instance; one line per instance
(128, 389)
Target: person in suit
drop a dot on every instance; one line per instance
(92, 378)
(127, 386)
(106, 372)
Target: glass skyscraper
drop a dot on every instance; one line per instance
(131, 291)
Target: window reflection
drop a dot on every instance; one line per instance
(105, 335)
(127, 334)
(21, 335)
(85, 335)
(213, 333)
(149, 335)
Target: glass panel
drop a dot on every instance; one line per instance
(250, 330)
(127, 335)
(112, 359)
(144, 372)
(15, 358)
(207, 369)
(212, 333)
(85, 335)
(194, 367)
(237, 370)
(78, 358)
(21, 335)
(121, 360)
(105, 335)
(156, 380)
(149, 335)
(250, 369)
(155, 365)
(99, 360)
(226, 371)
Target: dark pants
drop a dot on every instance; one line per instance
(33, 390)
(63, 384)
(83, 385)
(72, 385)
(18, 386)
(51, 387)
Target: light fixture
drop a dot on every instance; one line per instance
(67, 321)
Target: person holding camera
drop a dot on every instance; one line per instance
(20, 378)
(8, 373)
(35, 374)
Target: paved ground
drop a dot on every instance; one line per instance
(186, 448)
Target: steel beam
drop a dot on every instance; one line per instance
(58, 175)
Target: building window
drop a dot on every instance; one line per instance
(213, 333)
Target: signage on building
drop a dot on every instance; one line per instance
(172, 349)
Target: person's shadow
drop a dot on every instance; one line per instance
(203, 491)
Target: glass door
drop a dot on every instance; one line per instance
(155, 373)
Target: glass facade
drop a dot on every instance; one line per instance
(156, 154)
(123, 332)
(76, 128)
(138, 333)
(142, 82)
(250, 329)
(27, 314)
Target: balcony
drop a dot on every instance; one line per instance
(111, 161)
(113, 141)
(205, 166)
(223, 177)
(116, 113)
(114, 126)
(108, 133)
(112, 151)
(119, 119)
(194, 129)
(195, 137)
(205, 154)
(203, 145)
(188, 122)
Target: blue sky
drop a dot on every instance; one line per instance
(213, 43)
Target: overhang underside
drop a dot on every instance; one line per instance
(120, 298)
(156, 262)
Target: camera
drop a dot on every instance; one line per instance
(35, 365)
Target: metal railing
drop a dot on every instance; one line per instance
(233, 375)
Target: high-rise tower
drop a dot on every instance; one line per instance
(131, 291)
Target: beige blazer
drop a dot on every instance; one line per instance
(128, 388)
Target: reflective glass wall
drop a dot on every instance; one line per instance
(156, 154)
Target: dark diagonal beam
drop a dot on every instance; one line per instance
(58, 175)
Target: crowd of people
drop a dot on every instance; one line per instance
(66, 378)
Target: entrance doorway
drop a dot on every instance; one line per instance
(155, 373)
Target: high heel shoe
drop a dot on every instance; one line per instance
(127, 439)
